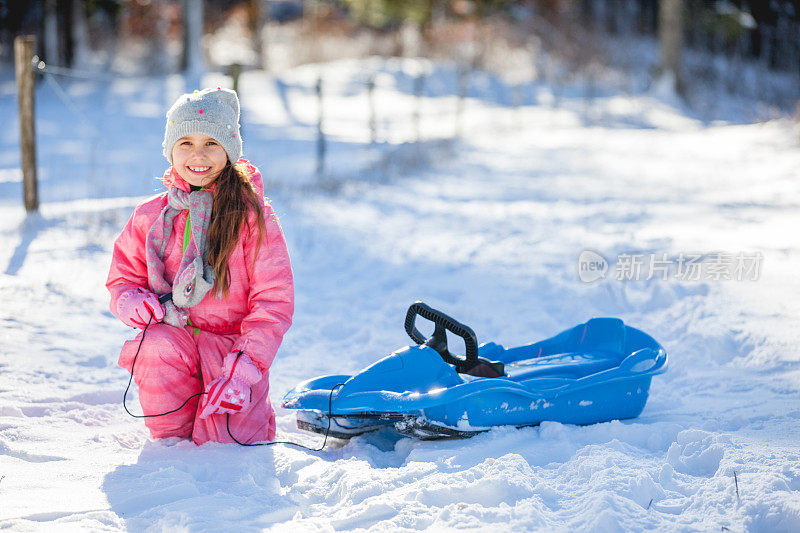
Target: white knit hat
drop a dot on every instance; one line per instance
(212, 112)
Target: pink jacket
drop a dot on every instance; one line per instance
(261, 299)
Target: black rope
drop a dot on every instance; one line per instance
(227, 416)
(125, 396)
(327, 430)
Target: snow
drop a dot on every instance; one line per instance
(489, 229)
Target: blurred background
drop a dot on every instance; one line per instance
(728, 44)
(321, 79)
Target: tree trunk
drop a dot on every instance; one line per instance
(64, 9)
(157, 59)
(670, 34)
(256, 25)
(51, 48)
(80, 35)
(192, 37)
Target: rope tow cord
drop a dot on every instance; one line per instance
(324, 442)
(125, 396)
(227, 416)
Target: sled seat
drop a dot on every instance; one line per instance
(581, 351)
(565, 365)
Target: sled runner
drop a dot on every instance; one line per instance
(593, 372)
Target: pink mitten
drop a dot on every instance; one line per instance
(230, 393)
(136, 306)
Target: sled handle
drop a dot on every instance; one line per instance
(438, 341)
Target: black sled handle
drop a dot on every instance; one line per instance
(438, 341)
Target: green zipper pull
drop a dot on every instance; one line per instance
(187, 231)
(187, 234)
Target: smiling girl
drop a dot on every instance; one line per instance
(213, 251)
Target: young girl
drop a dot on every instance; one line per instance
(217, 247)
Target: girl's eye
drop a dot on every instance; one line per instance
(211, 142)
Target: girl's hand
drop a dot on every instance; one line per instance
(230, 393)
(136, 307)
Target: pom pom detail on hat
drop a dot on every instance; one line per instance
(211, 112)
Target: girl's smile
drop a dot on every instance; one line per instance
(199, 170)
(198, 159)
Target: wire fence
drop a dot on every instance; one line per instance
(353, 125)
(346, 128)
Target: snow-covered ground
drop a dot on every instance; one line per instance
(488, 229)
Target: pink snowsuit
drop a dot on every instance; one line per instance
(175, 363)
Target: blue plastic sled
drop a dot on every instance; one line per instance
(593, 372)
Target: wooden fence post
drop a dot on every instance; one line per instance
(235, 70)
(373, 124)
(516, 103)
(320, 133)
(23, 56)
(419, 89)
(463, 83)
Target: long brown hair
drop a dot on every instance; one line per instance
(234, 199)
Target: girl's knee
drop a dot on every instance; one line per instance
(160, 344)
(161, 335)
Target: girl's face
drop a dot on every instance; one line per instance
(198, 159)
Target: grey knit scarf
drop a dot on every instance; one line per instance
(195, 277)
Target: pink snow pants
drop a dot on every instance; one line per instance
(175, 363)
